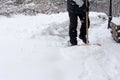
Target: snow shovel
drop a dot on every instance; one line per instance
(87, 43)
(86, 3)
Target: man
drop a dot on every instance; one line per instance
(77, 8)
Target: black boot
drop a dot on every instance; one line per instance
(83, 38)
(73, 41)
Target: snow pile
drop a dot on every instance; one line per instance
(33, 48)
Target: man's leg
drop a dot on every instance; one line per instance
(83, 27)
(73, 28)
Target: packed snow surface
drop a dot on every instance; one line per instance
(35, 48)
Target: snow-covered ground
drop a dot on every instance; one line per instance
(34, 48)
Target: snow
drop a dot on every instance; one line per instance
(116, 20)
(79, 2)
(34, 48)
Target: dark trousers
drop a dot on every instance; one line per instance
(73, 26)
